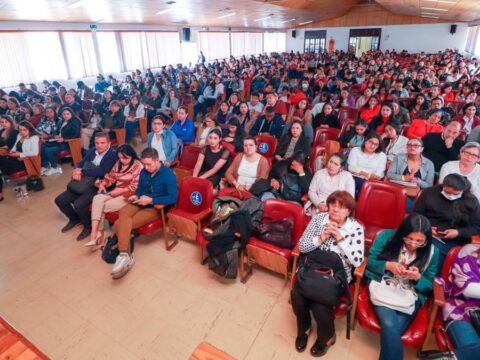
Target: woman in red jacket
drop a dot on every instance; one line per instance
(370, 109)
(420, 127)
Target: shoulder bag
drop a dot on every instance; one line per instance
(86, 182)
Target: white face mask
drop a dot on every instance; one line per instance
(452, 197)
(305, 86)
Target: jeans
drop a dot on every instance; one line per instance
(462, 333)
(268, 195)
(49, 154)
(358, 185)
(130, 127)
(444, 247)
(393, 324)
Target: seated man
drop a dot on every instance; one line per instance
(184, 128)
(157, 186)
(97, 162)
(437, 104)
(270, 123)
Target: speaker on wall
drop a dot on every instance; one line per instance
(453, 29)
(186, 34)
(294, 33)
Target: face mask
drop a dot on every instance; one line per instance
(304, 86)
(452, 197)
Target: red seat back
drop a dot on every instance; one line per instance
(267, 145)
(279, 209)
(189, 156)
(324, 134)
(347, 113)
(195, 195)
(381, 205)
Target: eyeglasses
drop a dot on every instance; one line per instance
(373, 142)
(414, 145)
(475, 156)
(419, 243)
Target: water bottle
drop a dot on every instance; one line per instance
(18, 192)
(23, 190)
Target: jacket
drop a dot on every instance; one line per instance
(30, 146)
(173, 106)
(399, 164)
(160, 186)
(437, 152)
(274, 128)
(185, 131)
(124, 178)
(108, 160)
(71, 130)
(169, 143)
(420, 128)
(302, 145)
(232, 172)
(8, 142)
(376, 267)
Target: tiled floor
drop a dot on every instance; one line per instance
(62, 298)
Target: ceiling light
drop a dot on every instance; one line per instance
(264, 18)
(165, 11)
(226, 15)
(306, 22)
(77, 4)
(434, 9)
(286, 21)
(443, 1)
(431, 16)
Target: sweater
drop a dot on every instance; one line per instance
(398, 147)
(185, 131)
(359, 161)
(161, 186)
(30, 146)
(108, 160)
(437, 152)
(399, 164)
(231, 174)
(323, 185)
(420, 128)
(376, 268)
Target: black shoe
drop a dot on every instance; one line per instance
(84, 234)
(301, 342)
(318, 350)
(436, 355)
(71, 224)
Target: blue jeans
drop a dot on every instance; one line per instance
(444, 247)
(465, 339)
(130, 127)
(49, 154)
(393, 324)
(358, 185)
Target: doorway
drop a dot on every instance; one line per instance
(363, 40)
(315, 41)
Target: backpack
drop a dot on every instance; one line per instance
(275, 232)
(110, 249)
(222, 208)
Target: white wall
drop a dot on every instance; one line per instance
(414, 38)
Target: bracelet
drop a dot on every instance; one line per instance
(403, 177)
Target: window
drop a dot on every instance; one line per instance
(363, 40)
(246, 43)
(80, 53)
(24, 59)
(108, 47)
(315, 41)
(215, 45)
(274, 42)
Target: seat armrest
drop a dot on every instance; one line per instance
(476, 239)
(174, 163)
(201, 215)
(159, 207)
(359, 271)
(304, 198)
(296, 251)
(438, 294)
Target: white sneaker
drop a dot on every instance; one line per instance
(123, 264)
(53, 171)
(43, 170)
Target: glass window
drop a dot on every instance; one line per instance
(215, 45)
(274, 42)
(108, 47)
(80, 51)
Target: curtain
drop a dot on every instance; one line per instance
(215, 45)
(24, 59)
(108, 48)
(81, 58)
(471, 35)
(274, 42)
(246, 43)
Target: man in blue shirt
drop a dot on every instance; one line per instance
(270, 123)
(157, 186)
(184, 127)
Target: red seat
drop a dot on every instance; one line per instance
(346, 113)
(324, 134)
(18, 175)
(271, 256)
(187, 162)
(381, 205)
(267, 145)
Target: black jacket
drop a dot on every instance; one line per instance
(302, 145)
(330, 120)
(436, 151)
(71, 130)
(10, 141)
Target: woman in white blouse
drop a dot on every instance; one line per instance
(332, 178)
(367, 161)
(393, 142)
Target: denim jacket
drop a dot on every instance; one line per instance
(169, 142)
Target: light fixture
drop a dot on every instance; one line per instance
(430, 13)
(264, 18)
(165, 11)
(431, 16)
(77, 4)
(226, 15)
(286, 21)
(306, 22)
(443, 1)
(433, 9)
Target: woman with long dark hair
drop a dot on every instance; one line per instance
(293, 141)
(114, 190)
(408, 255)
(234, 134)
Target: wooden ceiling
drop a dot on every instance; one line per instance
(268, 14)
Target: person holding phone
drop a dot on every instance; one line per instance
(453, 211)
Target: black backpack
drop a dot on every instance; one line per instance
(110, 249)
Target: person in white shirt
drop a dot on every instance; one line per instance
(467, 166)
(393, 142)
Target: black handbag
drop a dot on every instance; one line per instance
(86, 182)
(475, 319)
(275, 232)
(34, 183)
(290, 189)
(110, 249)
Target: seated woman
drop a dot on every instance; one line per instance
(379, 121)
(393, 143)
(248, 167)
(68, 128)
(367, 161)
(246, 117)
(301, 113)
(163, 140)
(124, 177)
(234, 104)
(336, 231)
(292, 142)
(133, 111)
(222, 113)
(467, 166)
(453, 212)
(27, 144)
(370, 109)
(209, 123)
(93, 125)
(14, 111)
(420, 127)
(8, 133)
(355, 136)
(27, 110)
(170, 104)
(234, 134)
(326, 118)
(38, 114)
(213, 159)
(469, 119)
(420, 105)
(334, 177)
(412, 166)
(289, 179)
(113, 120)
(363, 99)
(407, 253)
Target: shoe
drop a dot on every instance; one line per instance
(319, 349)
(84, 234)
(301, 342)
(96, 243)
(56, 170)
(123, 264)
(43, 171)
(436, 355)
(71, 224)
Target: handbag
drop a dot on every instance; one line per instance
(275, 232)
(475, 319)
(110, 249)
(396, 293)
(34, 183)
(86, 182)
